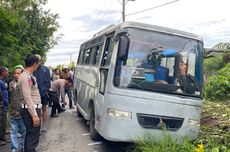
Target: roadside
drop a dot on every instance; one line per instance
(69, 133)
(215, 124)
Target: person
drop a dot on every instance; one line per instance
(68, 90)
(55, 75)
(183, 68)
(16, 122)
(1, 118)
(57, 89)
(31, 103)
(43, 80)
(4, 91)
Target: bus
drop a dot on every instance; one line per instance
(135, 78)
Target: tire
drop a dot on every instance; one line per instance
(94, 135)
(78, 112)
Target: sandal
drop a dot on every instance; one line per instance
(2, 143)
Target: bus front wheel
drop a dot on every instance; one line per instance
(78, 112)
(93, 132)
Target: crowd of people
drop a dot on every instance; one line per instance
(26, 99)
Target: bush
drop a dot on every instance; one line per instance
(218, 86)
(209, 66)
(165, 144)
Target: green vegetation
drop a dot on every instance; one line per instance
(215, 125)
(25, 28)
(166, 144)
(218, 86)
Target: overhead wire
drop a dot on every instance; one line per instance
(152, 8)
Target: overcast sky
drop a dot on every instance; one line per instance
(79, 20)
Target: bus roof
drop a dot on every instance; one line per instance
(161, 29)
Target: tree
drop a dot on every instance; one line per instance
(25, 28)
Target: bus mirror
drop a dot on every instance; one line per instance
(123, 47)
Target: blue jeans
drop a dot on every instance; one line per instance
(17, 124)
(68, 91)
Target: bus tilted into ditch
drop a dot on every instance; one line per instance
(134, 78)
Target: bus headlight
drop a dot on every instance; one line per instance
(194, 122)
(119, 114)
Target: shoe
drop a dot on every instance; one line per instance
(44, 128)
(7, 132)
(2, 143)
(19, 135)
(61, 111)
(22, 150)
(6, 140)
(14, 150)
(53, 116)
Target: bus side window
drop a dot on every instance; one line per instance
(98, 54)
(107, 51)
(86, 56)
(91, 56)
(80, 57)
(95, 55)
(103, 78)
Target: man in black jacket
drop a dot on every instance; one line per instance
(1, 118)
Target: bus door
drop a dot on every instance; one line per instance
(103, 73)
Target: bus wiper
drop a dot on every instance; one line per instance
(188, 84)
(135, 85)
(194, 82)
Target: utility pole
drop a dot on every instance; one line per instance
(70, 57)
(123, 9)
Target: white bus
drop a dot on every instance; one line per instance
(133, 78)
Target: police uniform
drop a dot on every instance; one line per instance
(57, 89)
(31, 106)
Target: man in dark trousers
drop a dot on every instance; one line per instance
(3, 87)
(58, 88)
(43, 79)
(31, 103)
(1, 119)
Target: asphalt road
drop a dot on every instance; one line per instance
(69, 133)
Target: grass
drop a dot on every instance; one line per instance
(214, 134)
(165, 144)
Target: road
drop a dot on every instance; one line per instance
(69, 133)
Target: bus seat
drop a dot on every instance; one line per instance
(149, 77)
(162, 73)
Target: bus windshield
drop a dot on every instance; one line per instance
(161, 62)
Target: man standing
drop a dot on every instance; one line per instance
(16, 122)
(68, 90)
(43, 79)
(31, 107)
(1, 118)
(58, 87)
(3, 88)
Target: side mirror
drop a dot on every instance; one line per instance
(123, 47)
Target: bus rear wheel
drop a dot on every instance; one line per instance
(94, 135)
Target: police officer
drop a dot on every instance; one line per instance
(58, 88)
(31, 107)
